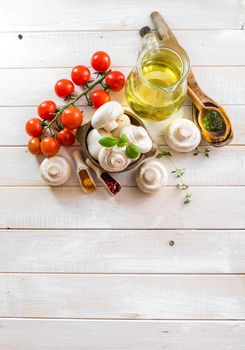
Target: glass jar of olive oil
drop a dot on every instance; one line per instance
(157, 86)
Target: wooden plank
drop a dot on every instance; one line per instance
(123, 296)
(117, 251)
(223, 167)
(225, 84)
(66, 49)
(24, 334)
(19, 115)
(64, 15)
(68, 207)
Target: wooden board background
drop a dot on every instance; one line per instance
(134, 272)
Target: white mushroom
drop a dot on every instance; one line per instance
(105, 116)
(138, 136)
(93, 144)
(55, 170)
(151, 176)
(113, 159)
(121, 121)
(182, 135)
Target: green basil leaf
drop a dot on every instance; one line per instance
(122, 140)
(108, 141)
(132, 151)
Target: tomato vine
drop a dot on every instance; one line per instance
(75, 99)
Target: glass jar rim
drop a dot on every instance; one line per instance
(183, 57)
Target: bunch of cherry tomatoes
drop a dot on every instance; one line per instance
(56, 125)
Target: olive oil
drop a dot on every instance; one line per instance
(154, 88)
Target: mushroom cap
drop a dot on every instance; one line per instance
(151, 176)
(182, 135)
(122, 121)
(107, 113)
(55, 170)
(138, 136)
(113, 159)
(93, 144)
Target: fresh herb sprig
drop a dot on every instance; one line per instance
(205, 152)
(179, 173)
(132, 151)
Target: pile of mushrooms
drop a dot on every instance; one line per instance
(110, 120)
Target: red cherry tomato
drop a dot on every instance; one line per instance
(115, 80)
(34, 127)
(34, 146)
(66, 137)
(99, 97)
(72, 117)
(64, 88)
(80, 75)
(46, 110)
(50, 146)
(100, 61)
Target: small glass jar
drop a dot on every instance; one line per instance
(157, 85)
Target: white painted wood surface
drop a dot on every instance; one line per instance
(205, 47)
(154, 273)
(122, 251)
(121, 335)
(67, 207)
(122, 297)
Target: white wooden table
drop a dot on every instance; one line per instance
(133, 272)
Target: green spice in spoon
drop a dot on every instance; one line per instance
(212, 121)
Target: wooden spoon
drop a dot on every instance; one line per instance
(84, 176)
(202, 102)
(109, 182)
(204, 105)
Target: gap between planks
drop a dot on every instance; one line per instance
(117, 229)
(124, 273)
(124, 186)
(98, 30)
(173, 320)
(118, 66)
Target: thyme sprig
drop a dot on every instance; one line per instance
(205, 152)
(179, 173)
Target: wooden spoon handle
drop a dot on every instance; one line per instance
(96, 169)
(199, 98)
(163, 29)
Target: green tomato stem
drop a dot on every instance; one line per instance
(76, 99)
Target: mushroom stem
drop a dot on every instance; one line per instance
(111, 125)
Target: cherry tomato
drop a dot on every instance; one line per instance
(80, 75)
(64, 88)
(100, 61)
(34, 146)
(46, 110)
(99, 97)
(34, 127)
(115, 80)
(72, 117)
(50, 146)
(66, 137)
